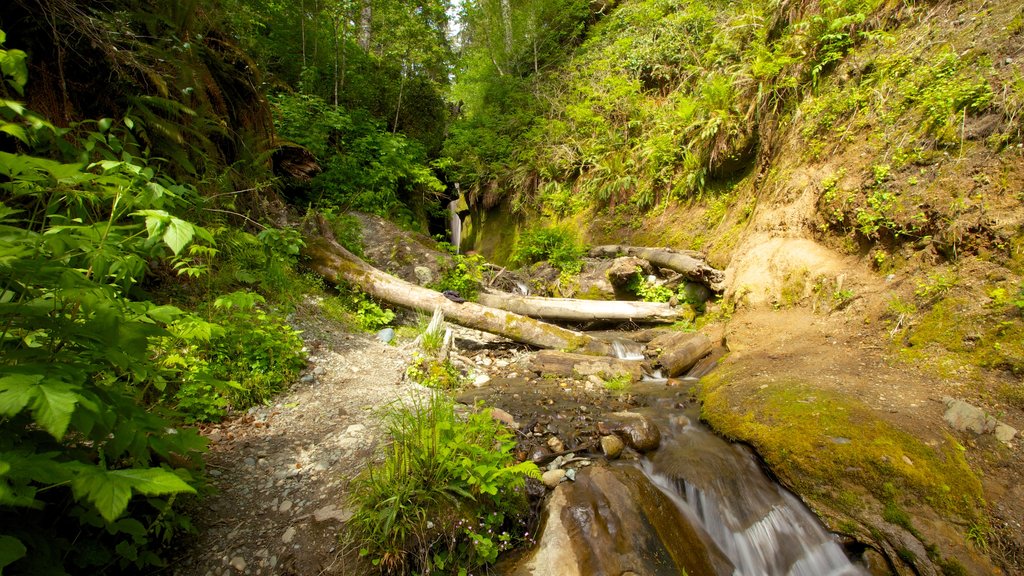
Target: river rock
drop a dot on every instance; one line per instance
(612, 446)
(677, 352)
(636, 430)
(613, 521)
(624, 269)
(505, 418)
(555, 444)
(965, 417)
(551, 478)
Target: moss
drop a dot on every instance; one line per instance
(813, 438)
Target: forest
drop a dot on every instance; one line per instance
(482, 249)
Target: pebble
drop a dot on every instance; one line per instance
(551, 478)
(555, 444)
(249, 461)
(288, 535)
(238, 563)
(285, 506)
(481, 379)
(612, 446)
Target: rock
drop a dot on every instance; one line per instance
(678, 351)
(386, 335)
(540, 454)
(612, 446)
(624, 269)
(308, 379)
(481, 379)
(613, 521)
(570, 474)
(636, 430)
(423, 275)
(285, 506)
(288, 535)
(551, 478)
(238, 563)
(555, 444)
(548, 362)
(1004, 432)
(505, 418)
(332, 512)
(965, 417)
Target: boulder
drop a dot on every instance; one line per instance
(612, 446)
(613, 521)
(965, 417)
(624, 269)
(637, 431)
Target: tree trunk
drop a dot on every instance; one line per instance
(573, 310)
(335, 263)
(365, 26)
(552, 362)
(686, 263)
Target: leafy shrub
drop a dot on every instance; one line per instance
(648, 291)
(347, 229)
(462, 275)
(447, 498)
(76, 350)
(556, 245)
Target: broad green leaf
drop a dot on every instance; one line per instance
(110, 494)
(14, 130)
(153, 481)
(53, 405)
(15, 392)
(178, 234)
(11, 550)
(164, 314)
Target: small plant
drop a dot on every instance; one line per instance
(937, 284)
(556, 245)
(648, 291)
(842, 297)
(1019, 300)
(448, 497)
(462, 274)
(618, 384)
(433, 373)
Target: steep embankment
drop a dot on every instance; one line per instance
(857, 170)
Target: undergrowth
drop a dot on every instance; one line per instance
(448, 496)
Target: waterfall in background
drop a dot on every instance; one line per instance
(456, 224)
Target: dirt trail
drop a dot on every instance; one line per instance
(281, 471)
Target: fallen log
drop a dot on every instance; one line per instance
(335, 263)
(684, 262)
(551, 362)
(574, 310)
(679, 351)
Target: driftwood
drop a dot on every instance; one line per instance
(335, 263)
(679, 351)
(686, 263)
(573, 310)
(569, 364)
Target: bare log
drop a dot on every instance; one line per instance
(569, 364)
(686, 263)
(335, 263)
(679, 351)
(574, 310)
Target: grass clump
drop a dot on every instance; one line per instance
(448, 497)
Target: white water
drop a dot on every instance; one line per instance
(626, 350)
(761, 527)
(456, 224)
(523, 288)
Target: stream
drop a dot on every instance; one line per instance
(762, 528)
(697, 503)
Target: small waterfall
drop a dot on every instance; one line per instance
(627, 350)
(762, 528)
(456, 224)
(522, 287)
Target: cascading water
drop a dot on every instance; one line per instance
(456, 224)
(627, 350)
(762, 528)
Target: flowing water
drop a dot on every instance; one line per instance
(762, 528)
(456, 224)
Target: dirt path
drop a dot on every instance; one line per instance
(281, 471)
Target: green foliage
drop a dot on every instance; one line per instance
(462, 274)
(618, 384)
(648, 291)
(433, 373)
(367, 313)
(85, 479)
(242, 358)
(347, 229)
(556, 245)
(366, 168)
(447, 498)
